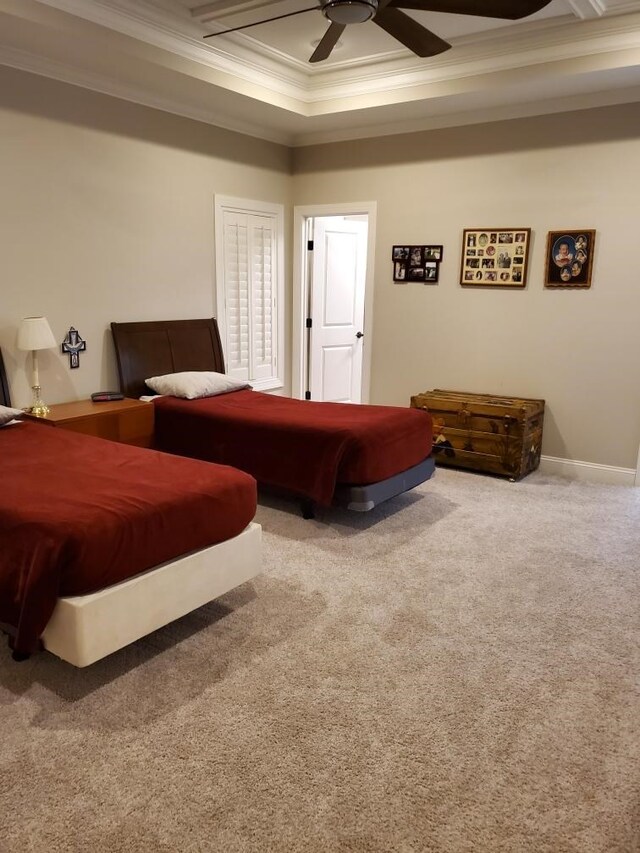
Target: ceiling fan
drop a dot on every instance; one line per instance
(387, 15)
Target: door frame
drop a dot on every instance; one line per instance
(301, 214)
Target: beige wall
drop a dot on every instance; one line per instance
(106, 213)
(579, 350)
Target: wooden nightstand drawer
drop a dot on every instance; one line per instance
(126, 421)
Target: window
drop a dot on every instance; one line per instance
(250, 290)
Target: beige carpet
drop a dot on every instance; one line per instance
(456, 671)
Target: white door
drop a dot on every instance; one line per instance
(337, 309)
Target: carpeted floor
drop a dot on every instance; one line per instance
(456, 671)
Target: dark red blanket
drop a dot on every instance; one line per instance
(78, 514)
(303, 447)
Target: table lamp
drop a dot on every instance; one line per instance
(34, 334)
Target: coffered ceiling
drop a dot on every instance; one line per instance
(572, 54)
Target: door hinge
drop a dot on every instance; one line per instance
(307, 395)
(309, 245)
(309, 322)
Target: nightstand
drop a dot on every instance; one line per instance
(126, 421)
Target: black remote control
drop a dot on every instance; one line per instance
(106, 396)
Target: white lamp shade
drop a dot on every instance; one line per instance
(35, 333)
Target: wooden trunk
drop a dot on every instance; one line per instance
(497, 435)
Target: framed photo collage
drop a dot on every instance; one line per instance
(417, 263)
(499, 257)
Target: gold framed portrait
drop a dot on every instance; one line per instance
(569, 258)
(495, 257)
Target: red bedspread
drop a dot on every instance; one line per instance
(303, 447)
(78, 514)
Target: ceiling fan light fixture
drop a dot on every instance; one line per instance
(349, 11)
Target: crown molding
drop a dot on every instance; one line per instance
(46, 67)
(352, 100)
(67, 74)
(462, 118)
(275, 74)
(254, 64)
(557, 33)
(478, 57)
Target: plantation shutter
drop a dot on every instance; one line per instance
(236, 288)
(249, 293)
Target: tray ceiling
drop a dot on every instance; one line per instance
(572, 54)
(296, 37)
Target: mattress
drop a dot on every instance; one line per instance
(78, 514)
(306, 448)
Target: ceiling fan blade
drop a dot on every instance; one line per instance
(327, 42)
(410, 33)
(508, 9)
(265, 21)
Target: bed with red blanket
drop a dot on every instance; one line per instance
(355, 455)
(86, 523)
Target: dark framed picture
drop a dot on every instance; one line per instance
(495, 257)
(569, 258)
(417, 263)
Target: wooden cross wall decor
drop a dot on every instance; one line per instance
(74, 345)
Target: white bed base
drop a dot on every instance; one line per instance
(85, 628)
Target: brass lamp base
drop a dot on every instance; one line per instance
(39, 408)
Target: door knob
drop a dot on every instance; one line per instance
(359, 334)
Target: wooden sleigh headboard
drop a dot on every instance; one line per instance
(164, 346)
(5, 399)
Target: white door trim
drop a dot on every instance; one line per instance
(300, 282)
(637, 480)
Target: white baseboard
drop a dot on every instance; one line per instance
(590, 472)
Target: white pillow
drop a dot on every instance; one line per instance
(194, 383)
(8, 414)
